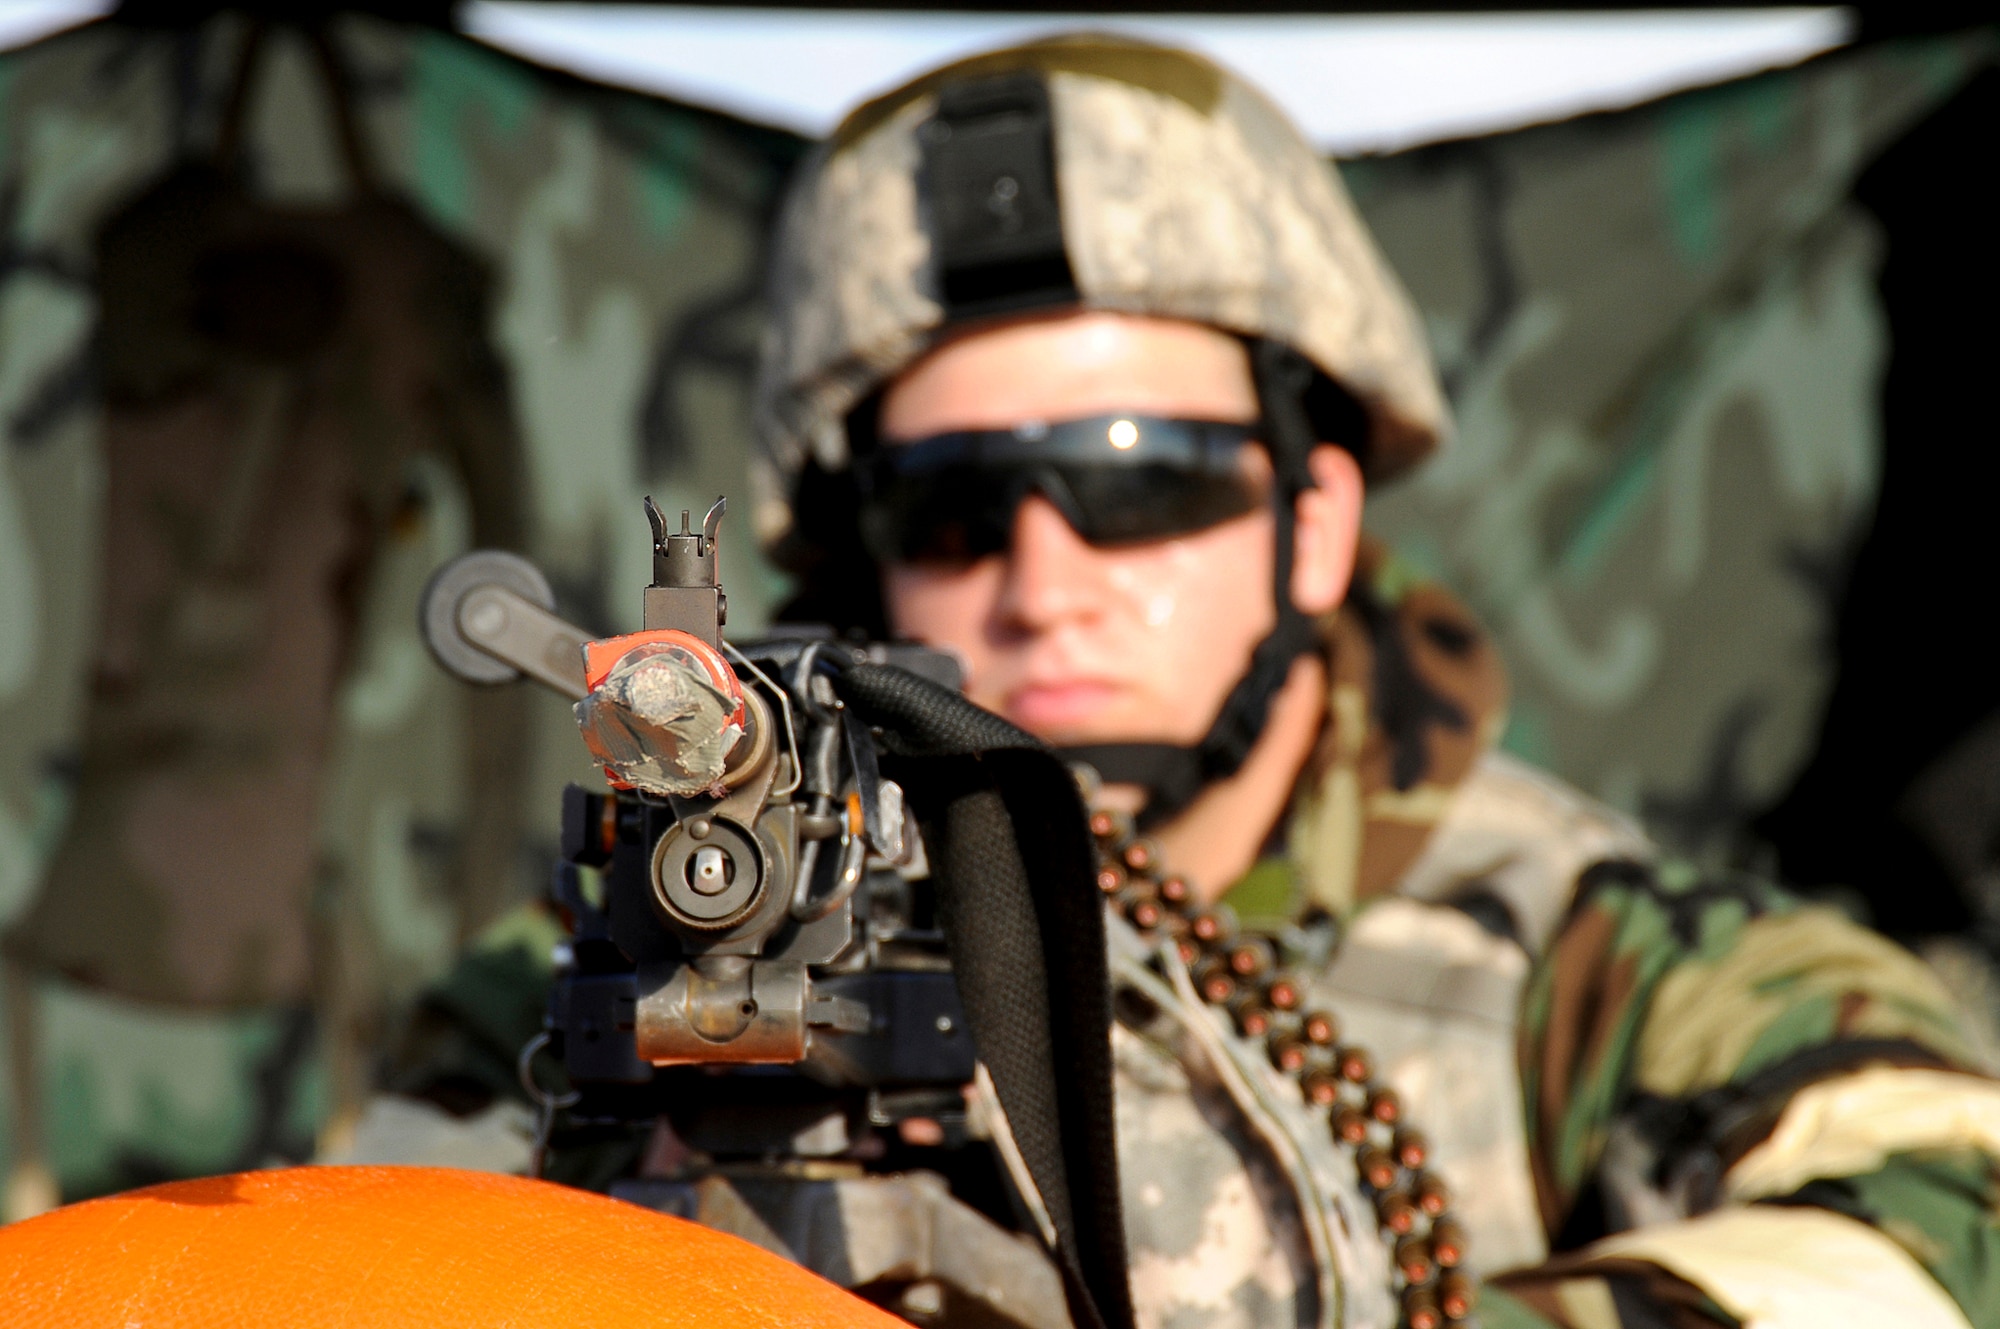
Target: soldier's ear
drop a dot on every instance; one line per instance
(1327, 528)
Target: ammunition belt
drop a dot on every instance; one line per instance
(1238, 971)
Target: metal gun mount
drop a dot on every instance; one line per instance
(718, 906)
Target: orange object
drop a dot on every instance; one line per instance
(600, 655)
(391, 1247)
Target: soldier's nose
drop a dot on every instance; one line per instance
(1047, 574)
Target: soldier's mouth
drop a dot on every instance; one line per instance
(1048, 709)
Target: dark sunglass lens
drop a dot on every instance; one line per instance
(952, 498)
(953, 516)
(1131, 504)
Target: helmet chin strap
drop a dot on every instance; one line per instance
(1172, 774)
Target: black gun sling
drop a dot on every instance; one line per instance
(1011, 852)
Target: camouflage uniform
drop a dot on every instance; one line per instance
(1239, 1208)
(1719, 1104)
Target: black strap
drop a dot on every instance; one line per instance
(1011, 852)
(1173, 775)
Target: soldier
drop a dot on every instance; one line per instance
(1096, 350)
(1081, 364)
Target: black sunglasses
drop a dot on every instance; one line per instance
(1117, 479)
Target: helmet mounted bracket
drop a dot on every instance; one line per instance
(987, 194)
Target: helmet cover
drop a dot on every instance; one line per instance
(1174, 189)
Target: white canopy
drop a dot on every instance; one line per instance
(1357, 83)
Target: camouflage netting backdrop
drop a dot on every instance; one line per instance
(467, 300)
(511, 302)
(1661, 333)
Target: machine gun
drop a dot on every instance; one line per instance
(757, 955)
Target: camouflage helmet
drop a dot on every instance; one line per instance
(1159, 184)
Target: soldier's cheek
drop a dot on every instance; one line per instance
(951, 609)
(1205, 593)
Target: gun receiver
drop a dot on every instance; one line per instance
(714, 889)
